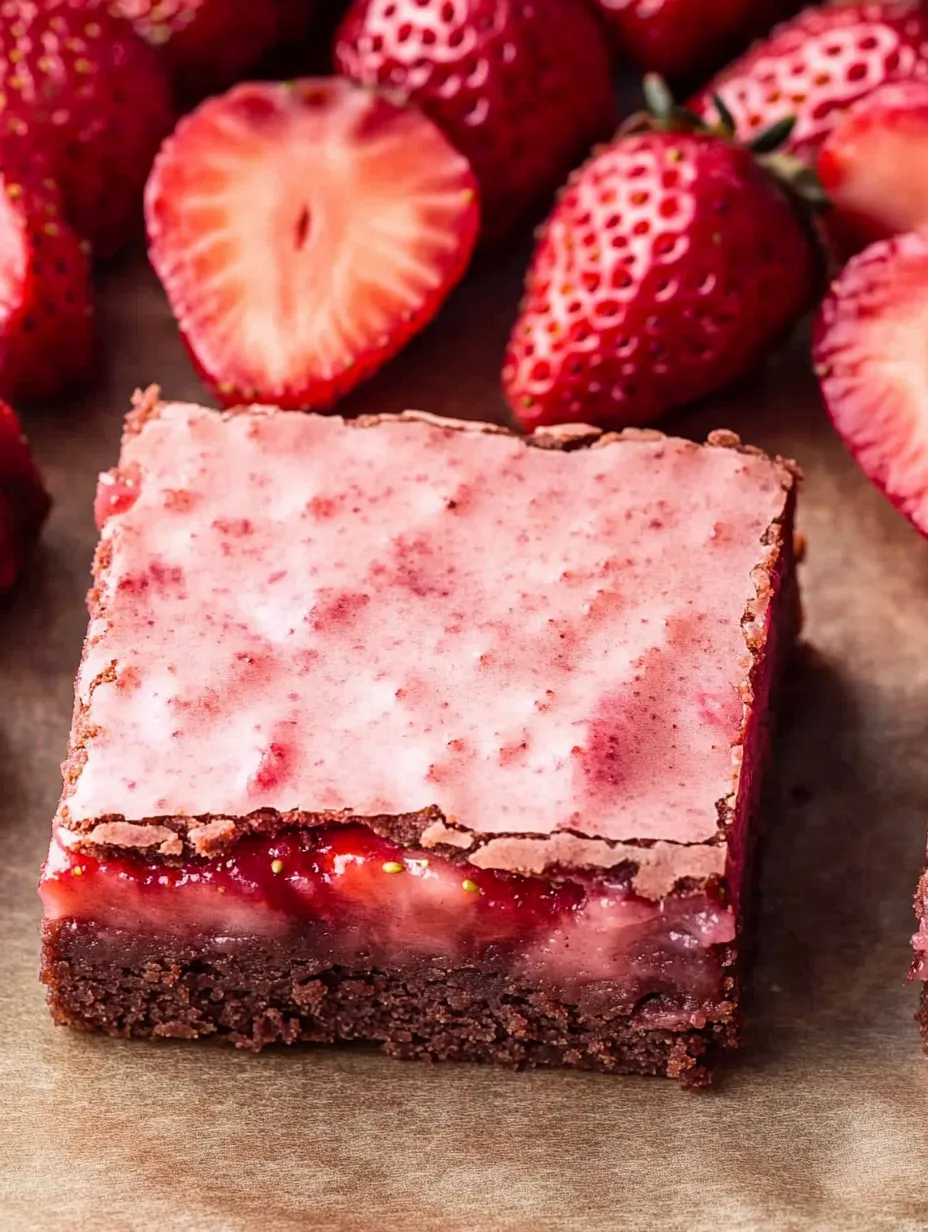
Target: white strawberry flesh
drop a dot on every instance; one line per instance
(304, 232)
(871, 351)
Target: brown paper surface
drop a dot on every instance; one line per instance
(821, 1124)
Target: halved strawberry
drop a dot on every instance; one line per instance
(304, 232)
(521, 89)
(874, 166)
(871, 360)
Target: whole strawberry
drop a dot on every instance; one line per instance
(24, 503)
(671, 264)
(304, 232)
(521, 87)
(46, 319)
(681, 38)
(86, 92)
(207, 44)
(816, 66)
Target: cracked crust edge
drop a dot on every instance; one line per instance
(654, 867)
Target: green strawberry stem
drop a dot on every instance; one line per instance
(665, 114)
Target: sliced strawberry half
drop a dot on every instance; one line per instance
(874, 166)
(304, 232)
(872, 361)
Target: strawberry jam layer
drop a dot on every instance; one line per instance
(359, 900)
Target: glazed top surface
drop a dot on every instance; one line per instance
(299, 613)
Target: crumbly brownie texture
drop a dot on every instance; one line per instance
(918, 970)
(252, 991)
(921, 1016)
(254, 994)
(262, 994)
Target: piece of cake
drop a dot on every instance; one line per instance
(420, 732)
(918, 972)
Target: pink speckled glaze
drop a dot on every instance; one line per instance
(304, 614)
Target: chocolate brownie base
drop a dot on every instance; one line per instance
(921, 1016)
(258, 994)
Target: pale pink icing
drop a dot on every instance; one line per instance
(304, 614)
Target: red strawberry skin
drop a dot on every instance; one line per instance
(24, 503)
(304, 232)
(681, 38)
(874, 166)
(521, 89)
(207, 44)
(870, 357)
(46, 315)
(670, 266)
(88, 94)
(817, 65)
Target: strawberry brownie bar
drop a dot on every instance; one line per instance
(419, 732)
(918, 972)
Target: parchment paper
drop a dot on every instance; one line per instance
(823, 1122)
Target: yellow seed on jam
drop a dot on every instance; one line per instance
(78, 871)
(393, 866)
(221, 889)
(470, 886)
(277, 866)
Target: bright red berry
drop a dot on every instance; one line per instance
(874, 166)
(669, 267)
(520, 87)
(24, 503)
(80, 87)
(817, 65)
(870, 358)
(46, 316)
(303, 233)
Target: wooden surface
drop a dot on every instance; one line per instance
(823, 1124)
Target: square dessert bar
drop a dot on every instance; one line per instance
(416, 731)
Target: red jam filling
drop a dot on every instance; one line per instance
(360, 898)
(117, 492)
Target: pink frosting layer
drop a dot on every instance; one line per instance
(304, 614)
